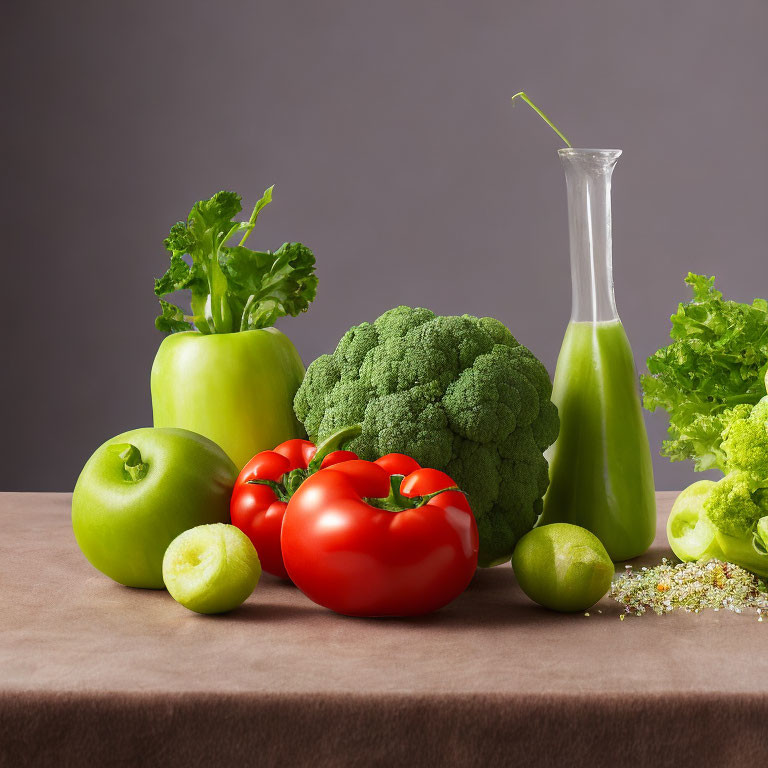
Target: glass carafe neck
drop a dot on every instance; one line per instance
(588, 178)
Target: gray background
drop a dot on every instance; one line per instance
(387, 129)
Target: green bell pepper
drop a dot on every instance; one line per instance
(690, 533)
(225, 372)
(236, 389)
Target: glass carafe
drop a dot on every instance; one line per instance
(601, 476)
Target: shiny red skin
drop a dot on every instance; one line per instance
(256, 509)
(359, 560)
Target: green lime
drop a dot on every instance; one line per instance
(211, 568)
(563, 567)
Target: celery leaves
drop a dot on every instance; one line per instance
(232, 287)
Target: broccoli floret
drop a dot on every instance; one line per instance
(458, 394)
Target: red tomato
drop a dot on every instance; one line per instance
(264, 486)
(355, 558)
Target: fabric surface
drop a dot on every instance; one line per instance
(93, 672)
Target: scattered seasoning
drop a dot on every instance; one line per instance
(692, 587)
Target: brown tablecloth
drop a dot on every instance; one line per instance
(92, 673)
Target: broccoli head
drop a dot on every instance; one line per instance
(458, 394)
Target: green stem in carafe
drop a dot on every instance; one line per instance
(524, 96)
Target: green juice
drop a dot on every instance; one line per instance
(601, 475)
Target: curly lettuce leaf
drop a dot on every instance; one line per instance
(216, 214)
(717, 361)
(172, 319)
(232, 288)
(272, 284)
(179, 276)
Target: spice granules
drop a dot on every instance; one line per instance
(691, 587)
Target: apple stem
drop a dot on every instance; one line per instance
(524, 96)
(134, 468)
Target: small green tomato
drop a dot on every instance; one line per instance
(211, 568)
(563, 567)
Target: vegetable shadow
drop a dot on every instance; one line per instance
(260, 612)
(512, 613)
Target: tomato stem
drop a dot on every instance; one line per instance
(396, 502)
(333, 442)
(277, 488)
(290, 482)
(423, 500)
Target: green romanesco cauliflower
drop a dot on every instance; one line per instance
(728, 519)
(739, 500)
(732, 506)
(745, 440)
(458, 394)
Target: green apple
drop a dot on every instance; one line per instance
(211, 568)
(563, 567)
(139, 491)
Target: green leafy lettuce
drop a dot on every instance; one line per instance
(232, 287)
(711, 374)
